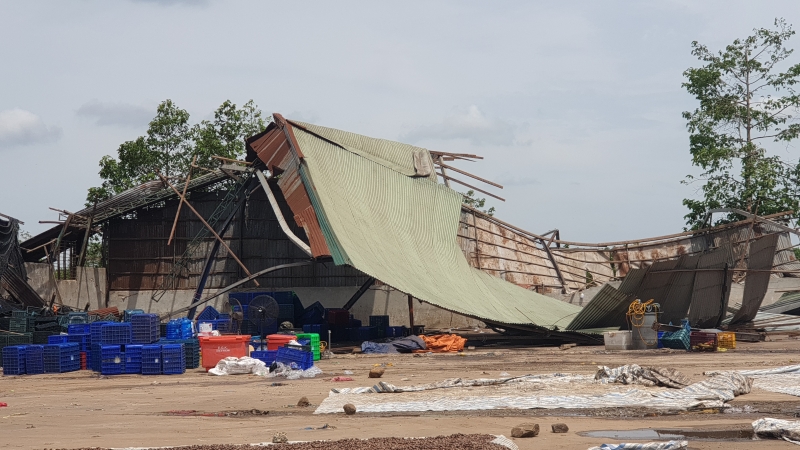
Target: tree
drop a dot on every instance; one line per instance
(171, 143)
(746, 105)
(477, 203)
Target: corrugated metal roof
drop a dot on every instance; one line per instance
(789, 303)
(630, 284)
(390, 154)
(401, 229)
(762, 255)
(606, 309)
(656, 282)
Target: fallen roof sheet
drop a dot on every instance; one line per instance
(380, 218)
(762, 254)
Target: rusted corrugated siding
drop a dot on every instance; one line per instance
(296, 197)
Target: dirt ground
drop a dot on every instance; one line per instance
(82, 409)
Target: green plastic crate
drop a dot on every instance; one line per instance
(314, 338)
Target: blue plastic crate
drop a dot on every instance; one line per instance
(173, 360)
(115, 333)
(14, 360)
(151, 360)
(208, 313)
(221, 325)
(77, 317)
(394, 332)
(286, 312)
(321, 329)
(81, 339)
(34, 359)
(57, 339)
(268, 356)
(95, 328)
(79, 328)
(191, 348)
(300, 359)
(379, 322)
(111, 360)
(144, 328)
(59, 358)
(132, 358)
(363, 334)
(93, 361)
(128, 313)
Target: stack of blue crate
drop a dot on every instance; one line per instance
(59, 358)
(145, 328)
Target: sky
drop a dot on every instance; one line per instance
(575, 106)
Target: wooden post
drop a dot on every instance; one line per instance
(411, 312)
(180, 202)
(210, 228)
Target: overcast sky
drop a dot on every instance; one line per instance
(576, 106)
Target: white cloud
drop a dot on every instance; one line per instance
(116, 113)
(472, 125)
(21, 127)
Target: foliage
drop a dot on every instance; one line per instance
(23, 235)
(746, 103)
(477, 203)
(94, 252)
(171, 143)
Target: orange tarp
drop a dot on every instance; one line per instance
(443, 343)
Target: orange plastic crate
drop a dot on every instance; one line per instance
(215, 348)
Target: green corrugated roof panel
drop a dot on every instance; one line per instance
(390, 154)
(402, 231)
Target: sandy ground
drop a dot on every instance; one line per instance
(81, 409)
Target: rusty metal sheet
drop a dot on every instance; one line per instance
(294, 191)
(762, 256)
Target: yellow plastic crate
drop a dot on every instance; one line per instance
(726, 340)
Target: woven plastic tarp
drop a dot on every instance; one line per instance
(402, 230)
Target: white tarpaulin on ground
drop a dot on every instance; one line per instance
(783, 380)
(778, 429)
(534, 392)
(671, 445)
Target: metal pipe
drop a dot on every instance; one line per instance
(276, 209)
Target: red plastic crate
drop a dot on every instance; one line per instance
(215, 348)
(276, 341)
(703, 341)
(339, 317)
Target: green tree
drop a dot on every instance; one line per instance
(746, 104)
(171, 143)
(477, 203)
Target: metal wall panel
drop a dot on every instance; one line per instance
(762, 256)
(679, 297)
(709, 299)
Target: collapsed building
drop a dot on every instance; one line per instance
(373, 226)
